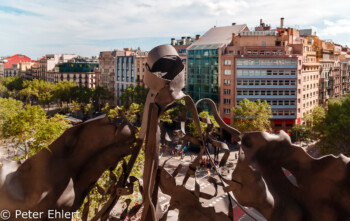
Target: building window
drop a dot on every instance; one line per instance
(227, 111)
(227, 101)
(227, 82)
(263, 43)
(227, 62)
(227, 72)
(227, 91)
(267, 52)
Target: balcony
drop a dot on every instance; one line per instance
(311, 53)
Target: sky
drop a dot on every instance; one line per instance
(86, 27)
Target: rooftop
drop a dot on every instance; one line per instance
(216, 37)
(15, 59)
(258, 33)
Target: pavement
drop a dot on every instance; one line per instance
(220, 202)
(7, 151)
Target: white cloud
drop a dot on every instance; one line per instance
(31, 24)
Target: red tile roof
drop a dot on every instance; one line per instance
(15, 59)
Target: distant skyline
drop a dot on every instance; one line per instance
(86, 27)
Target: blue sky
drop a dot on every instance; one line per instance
(86, 27)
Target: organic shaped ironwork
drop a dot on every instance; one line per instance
(62, 177)
(319, 190)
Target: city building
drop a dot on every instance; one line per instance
(308, 85)
(140, 66)
(12, 65)
(77, 70)
(181, 46)
(49, 62)
(327, 61)
(107, 69)
(277, 65)
(2, 68)
(125, 71)
(260, 65)
(27, 69)
(203, 59)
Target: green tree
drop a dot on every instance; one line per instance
(62, 92)
(49, 131)
(99, 95)
(3, 90)
(192, 127)
(105, 109)
(45, 91)
(334, 129)
(140, 94)
(31, 130)
(301, 133)
(13, 83)
(252, 116)
(8, 107)
(28, 93)
(133, 94)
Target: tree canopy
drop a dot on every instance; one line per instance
(28, 127)
(334, 127)
(252, 116)
(133, 94)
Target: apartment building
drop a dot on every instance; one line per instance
(48, 63)
(181, 46)
(13, 65)
(140, 66)
(310, 71)
(79, 71)
(203, 59)
(125, 71)
(276, 65)
(2, 68)
(330, 73)
(107, 69)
